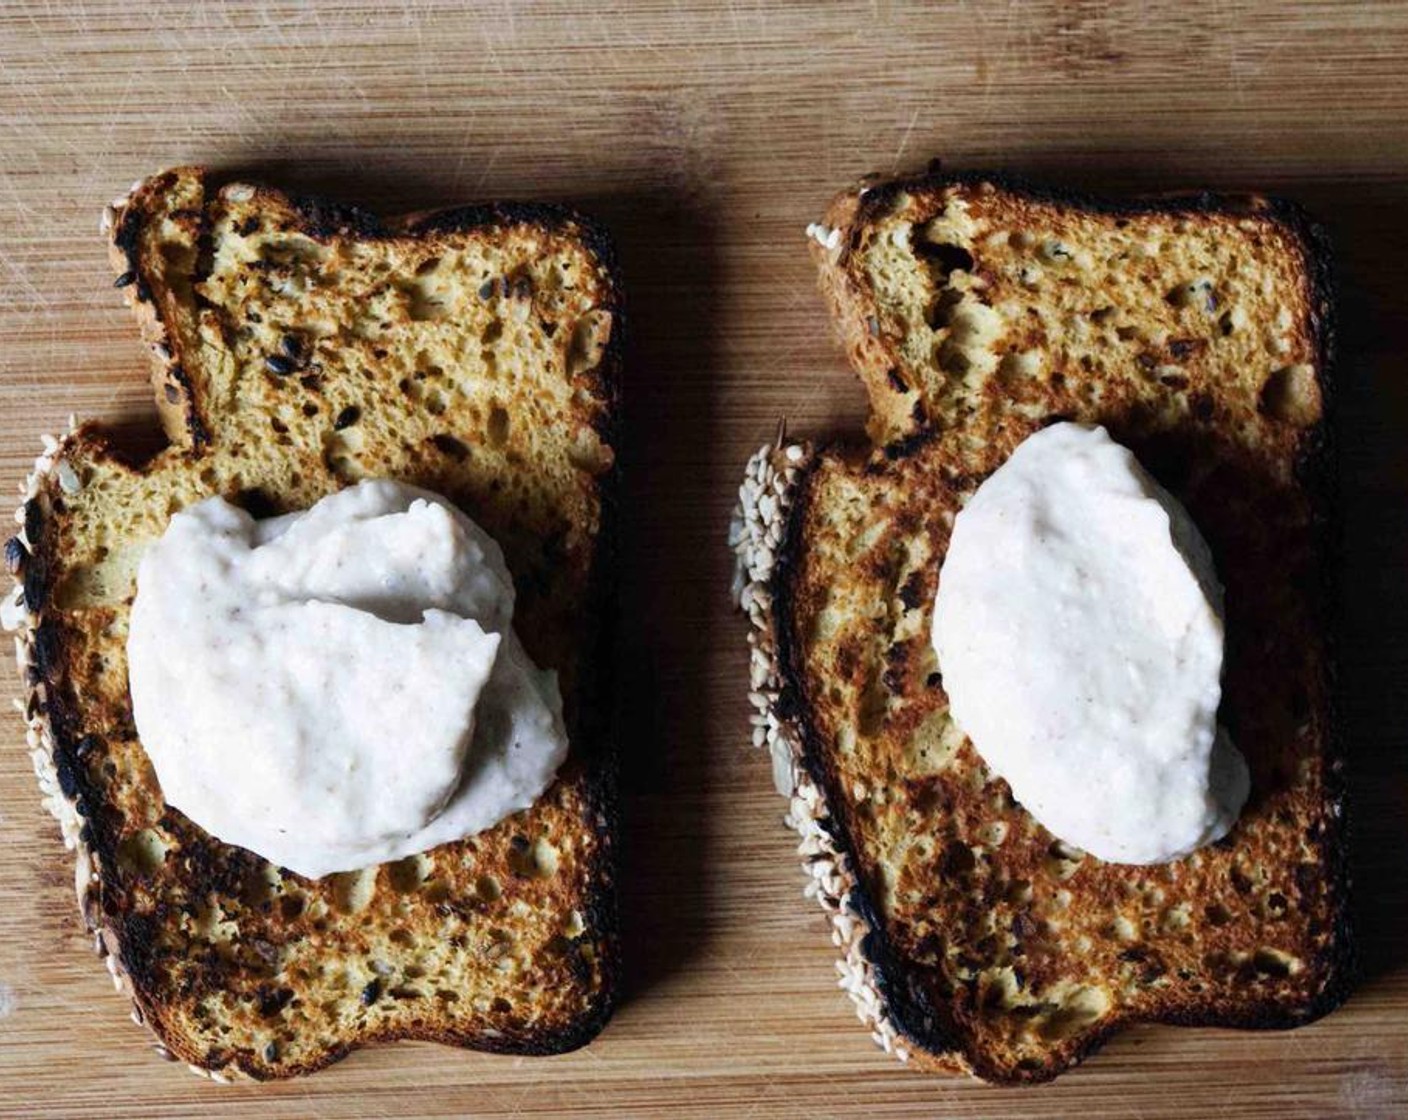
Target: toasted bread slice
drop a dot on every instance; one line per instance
(300, 346)
(1197, 331)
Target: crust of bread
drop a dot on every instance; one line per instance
(757, 536)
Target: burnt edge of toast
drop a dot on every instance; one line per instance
(51, 712)
(756, 535)
(1316, 469)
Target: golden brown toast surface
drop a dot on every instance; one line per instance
(960, 301)
(299, 347)
(1195, 330)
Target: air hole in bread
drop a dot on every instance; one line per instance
(89, 585)
(488, 888)
(1273, 962)
(1291, 395)
(1056, 251)
(1077, 1011)
(406, 875)
(425, 301)
(958, 860)
(497, 427)
(953, 360)
(1218, 914)
(941, 313)
(436, 891)
(142, 852)
(1019, 892)
(992, 834)
(1017, 366)
(352, 890)
(1062, 860)
(1176, 918)
(532, 860)
(260, 886)
(1198, 293)
(589, 339)
(447, 444)
(498, 945)
(944, 257)
(873, 705)
(292, 251)
(340, 454)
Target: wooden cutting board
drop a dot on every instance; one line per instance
(707, 138)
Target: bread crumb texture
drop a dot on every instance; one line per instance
(986, 303)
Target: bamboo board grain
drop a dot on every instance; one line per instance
(706, 138)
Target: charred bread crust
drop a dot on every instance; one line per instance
(53, 716)
(758, 535)
(906, 1007)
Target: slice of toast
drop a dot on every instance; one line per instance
(300, 346)
(1196, 329)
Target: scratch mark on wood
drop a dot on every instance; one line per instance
(904, 140)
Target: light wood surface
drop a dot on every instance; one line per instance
(707, 138)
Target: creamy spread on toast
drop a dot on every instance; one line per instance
(1078, 627)
(339, 687)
